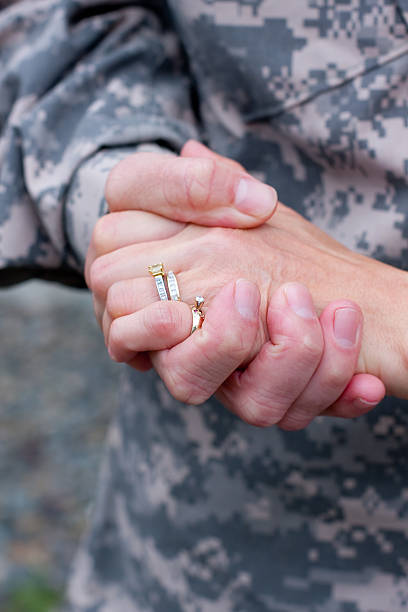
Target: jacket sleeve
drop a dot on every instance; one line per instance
(82, 84)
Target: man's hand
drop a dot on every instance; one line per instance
(134, 327)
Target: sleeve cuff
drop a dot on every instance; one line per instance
(85, 202)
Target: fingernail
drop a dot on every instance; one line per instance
(346, 326)
(254, 198)
(247, 299)
(300, 301)
(360, 401)
(363, 406)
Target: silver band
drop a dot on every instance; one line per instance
(173, 286)
(161, 287)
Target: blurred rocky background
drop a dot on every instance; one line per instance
(58, 391)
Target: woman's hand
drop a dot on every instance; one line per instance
(231, 252)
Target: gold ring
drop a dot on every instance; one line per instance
(157, 271)
(198, 315)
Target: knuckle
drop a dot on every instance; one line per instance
(98, 278)
(228, 347)
(186, 387)
(226, 238)
(307, 350)
(114, 186)
(293, 423)
(117, 300)
(336, 378)
(220, 244)
(115, 340)
(312, 348)
(304, 350)
(261, 411)
(233, 345)
(226, 352)
(197, 181)
(102, 234)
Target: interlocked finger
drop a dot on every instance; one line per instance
(361, 395)
(132, 295)
(126, 228)
(194, 369)
(159, 326)
(341, 323)
(262, 394)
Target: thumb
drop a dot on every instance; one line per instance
(194, 148)
(205, 189)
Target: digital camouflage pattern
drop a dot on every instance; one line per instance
(198, 512)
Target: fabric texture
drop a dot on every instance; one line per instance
(198, 512)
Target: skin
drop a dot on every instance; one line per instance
(273, 355)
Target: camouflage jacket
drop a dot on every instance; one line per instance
(196, 511)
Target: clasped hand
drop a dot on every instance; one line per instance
(272, 351)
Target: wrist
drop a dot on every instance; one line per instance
(385, 337)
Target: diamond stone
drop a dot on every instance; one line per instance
(156, 269)
(199, 301)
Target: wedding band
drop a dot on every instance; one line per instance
(198, 315)
(173, 286)
(157, 271)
